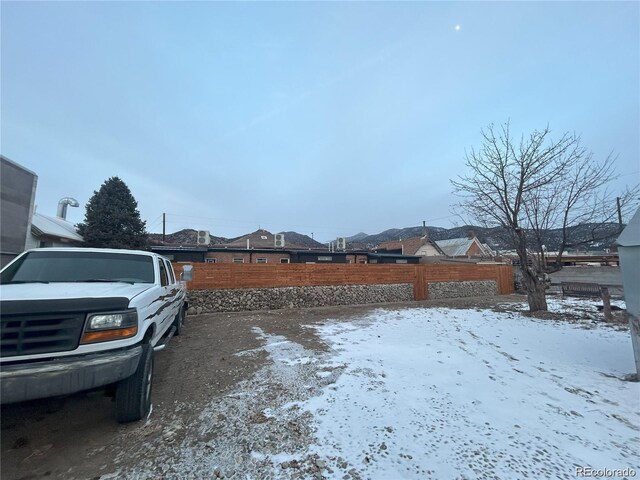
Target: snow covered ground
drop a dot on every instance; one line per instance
(424, 393)
(476, 394)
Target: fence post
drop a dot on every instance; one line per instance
(420, 283)
(606, 303)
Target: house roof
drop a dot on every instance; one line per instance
(391, 255)
(44, 225)
(458, 247)
(408, 246)
(630, 236)
(175, 248)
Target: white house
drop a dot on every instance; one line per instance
(49, 231)
(464, 247)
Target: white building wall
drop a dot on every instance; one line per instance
(428, 251)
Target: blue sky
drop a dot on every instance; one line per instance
(331, 118)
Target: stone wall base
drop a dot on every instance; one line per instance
(478, 288)
(236, 300)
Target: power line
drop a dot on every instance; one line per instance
(152, 224)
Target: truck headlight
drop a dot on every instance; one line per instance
(101, 327)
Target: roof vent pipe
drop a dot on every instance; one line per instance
(62, 206)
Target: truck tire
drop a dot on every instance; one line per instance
(133, 394)
(179, 321)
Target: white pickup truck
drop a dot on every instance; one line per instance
(74, 319)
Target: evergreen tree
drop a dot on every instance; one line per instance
(112, 219)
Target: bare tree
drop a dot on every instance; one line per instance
(581, 199)
(530, 186)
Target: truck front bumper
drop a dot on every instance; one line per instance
(62, 376)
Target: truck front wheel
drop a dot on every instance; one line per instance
(179, 321)
(133, 394)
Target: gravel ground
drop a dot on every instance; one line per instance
(226, 405)
(201, 373)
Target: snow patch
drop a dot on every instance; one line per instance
(476, 393)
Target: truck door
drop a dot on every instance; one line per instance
(173, 289)
(166, 293)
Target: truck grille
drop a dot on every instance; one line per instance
(29, 327)
(40, 333)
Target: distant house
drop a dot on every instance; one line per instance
(397, 258)
(469, 247)
(419, 246)
(326, 256)
(231, 254)
(179, 254)
(49, 231)
(224, 254)
(466, 247)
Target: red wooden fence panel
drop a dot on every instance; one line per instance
(208, 276)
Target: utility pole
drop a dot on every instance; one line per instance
(164, 226)
(619, 212)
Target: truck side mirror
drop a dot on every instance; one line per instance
(187, 273)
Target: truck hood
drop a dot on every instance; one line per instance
(49, 291)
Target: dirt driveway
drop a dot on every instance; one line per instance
(201, 398)
(79, 437)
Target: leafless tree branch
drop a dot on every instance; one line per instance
(531, 186)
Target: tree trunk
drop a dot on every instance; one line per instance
(532, 278)
(536, 290)
(537, 298)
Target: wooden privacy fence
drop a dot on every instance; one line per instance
(208, 276)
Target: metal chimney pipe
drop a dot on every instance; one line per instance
(62, 206)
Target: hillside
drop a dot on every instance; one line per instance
(299, 240)
(357, 237)
(580, 237)
(188, 237)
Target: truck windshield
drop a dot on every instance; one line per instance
(73, 266)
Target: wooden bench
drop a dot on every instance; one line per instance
(577, 289)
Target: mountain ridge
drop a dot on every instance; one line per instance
(579, 236)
